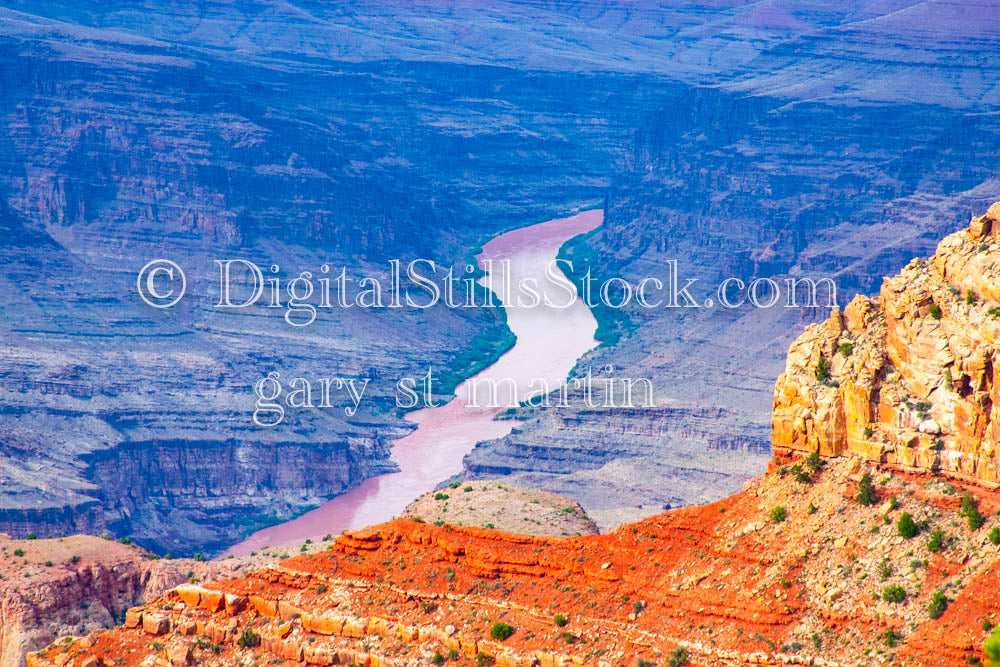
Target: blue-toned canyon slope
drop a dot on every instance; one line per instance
(742, 139)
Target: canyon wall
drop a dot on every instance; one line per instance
(120, 143)
(738, 187)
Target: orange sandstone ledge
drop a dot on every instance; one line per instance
(726, 583)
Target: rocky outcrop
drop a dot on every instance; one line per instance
(75, 585)
(506, 507)
(908, 378)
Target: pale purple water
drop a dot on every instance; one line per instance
(549, 341)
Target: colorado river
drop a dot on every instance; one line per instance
(549, 342)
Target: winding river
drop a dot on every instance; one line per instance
(549, 342)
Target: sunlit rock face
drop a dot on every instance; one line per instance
(912, 379)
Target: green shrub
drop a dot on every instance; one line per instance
(894, 594)
(678, 658)
(249, 639)
(936, 541)
(18, 552)
(501, 631)
(778, 514)
(937, 605)
(822, 371)
(814, 461)
(560, 620)
(992, 647)
(906, 526)
(935, 311)
(845, 349)
(32, 536)
(438, 659)
(970, 297)
(866, 491)
(994, 535)
(971, 513)
(440, 496)
(890, 637)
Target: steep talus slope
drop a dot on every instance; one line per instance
(79, 584)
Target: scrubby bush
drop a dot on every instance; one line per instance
(678, 658)
(501, 631)
(937, 605)
(906, 526)
(992, 647)
(936, 541)
(822, 371)
(935, 311)
(894, 594)
(845, 349)
(778, 514)
(560, 620)
(994, 535)
(890, 637)
(249, 639)
(866, 491)
(971, 513)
